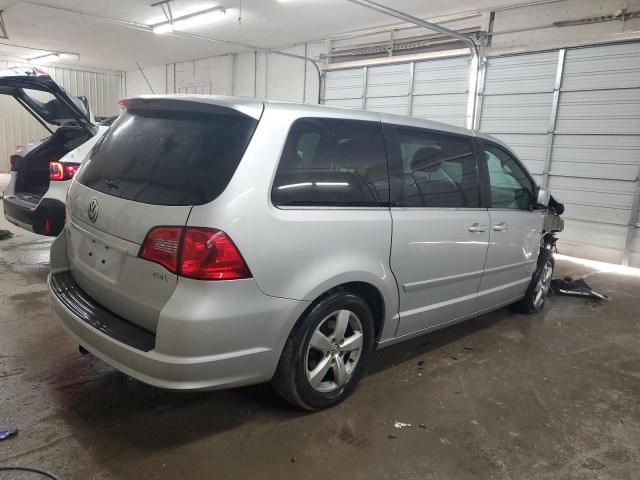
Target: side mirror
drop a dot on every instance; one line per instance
(542, 200)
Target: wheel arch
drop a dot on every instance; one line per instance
(365, 290)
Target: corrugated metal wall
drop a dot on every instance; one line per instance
(17, 127)
(517, 102)
(595, 159)
(572, 115)
(433, 89)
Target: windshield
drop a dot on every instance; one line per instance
(168, 157)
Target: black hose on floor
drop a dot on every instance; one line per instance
(19, 468)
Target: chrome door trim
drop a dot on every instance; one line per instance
(411, 287)
(510, 266)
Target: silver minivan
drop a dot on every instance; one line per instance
(213, 242)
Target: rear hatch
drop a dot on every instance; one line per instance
(43, 98)
(162, 156)
(52, 107)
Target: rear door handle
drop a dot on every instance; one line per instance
(476, 228)
(501, 227)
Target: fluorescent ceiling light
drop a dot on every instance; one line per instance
(54, 57)
(191, 20)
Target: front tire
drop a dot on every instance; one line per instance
(326, 353)
(538, 289)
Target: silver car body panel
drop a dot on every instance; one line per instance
(436, 271)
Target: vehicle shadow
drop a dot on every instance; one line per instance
(409, 350)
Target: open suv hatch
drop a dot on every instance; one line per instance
(41, 172)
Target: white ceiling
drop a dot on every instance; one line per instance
(265, 23)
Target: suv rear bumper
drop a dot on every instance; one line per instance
(203, 340)
(34, 218)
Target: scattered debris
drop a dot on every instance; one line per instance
(6, 433)
(445, 441)
(4, 234)
(423, 426)
(398, 424)
(420, 363)
(575, 287)
(592, 464)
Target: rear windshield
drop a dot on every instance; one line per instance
(168, 157)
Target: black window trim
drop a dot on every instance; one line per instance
(338, 206)
(486, 183)
(395, 166)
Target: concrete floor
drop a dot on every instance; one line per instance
(505, 396)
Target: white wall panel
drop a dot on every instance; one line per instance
(516, 104)
(17, 127)
(389, 80)
(450, 108)
(594, 148)
(355, 103)
(394, 105)
(597, 156)
(588, 239)
(606, 67)
(529, 148)
(440, 89)
(435, 77)
(596, 151)
(343, 84)
(534, 72)
(521, 113)
(608, 112)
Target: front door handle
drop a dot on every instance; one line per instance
(500, 227)
(476, 228)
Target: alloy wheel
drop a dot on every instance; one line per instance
(334, 351)
(543, 284)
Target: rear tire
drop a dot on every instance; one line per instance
(538, 289)
(326, 353)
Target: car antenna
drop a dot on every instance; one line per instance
(145, 78)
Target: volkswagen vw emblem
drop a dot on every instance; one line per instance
(93, 210)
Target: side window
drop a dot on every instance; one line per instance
(438, 170)
(510, 185)
(332, 162)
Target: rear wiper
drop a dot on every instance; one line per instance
(110, 183)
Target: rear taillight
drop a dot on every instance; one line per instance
(193, 252)
(62, 171)
(161, 246)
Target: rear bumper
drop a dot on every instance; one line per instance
(45, 218)
(204, 340)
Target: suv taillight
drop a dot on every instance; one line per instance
(62, 171)
(194, 252)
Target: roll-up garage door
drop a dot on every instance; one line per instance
(590, 142)
(517, 103)
(432, 89)
(595, 158)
